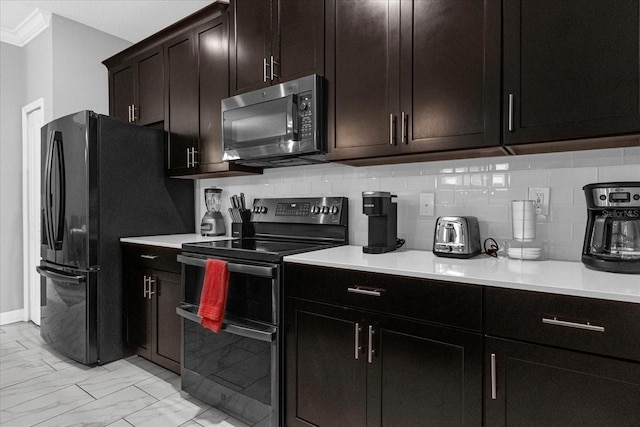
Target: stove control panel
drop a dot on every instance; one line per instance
(304, 210)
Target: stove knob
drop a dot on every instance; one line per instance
(263, 209)
(256, 209)
(325, 210)
(315, 210)
(334, 210)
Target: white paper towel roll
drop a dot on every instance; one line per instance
(523, 214)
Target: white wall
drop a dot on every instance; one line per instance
(63, 66)
(12, 100)
(479, 187)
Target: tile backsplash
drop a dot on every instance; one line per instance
(482, 187)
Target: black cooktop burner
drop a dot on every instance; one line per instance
(254, 248)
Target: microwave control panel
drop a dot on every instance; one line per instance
(305, 105)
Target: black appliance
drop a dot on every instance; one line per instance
(101, 180)
(240, 369)
(612, 236)
(281, 125)
(383, 221)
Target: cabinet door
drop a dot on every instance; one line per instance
(544, 386)
(571, 69)
(450, 74)
(326, 384)
(149, 106)
(363, 45)
(138, 321)
(298, 42)
(121, 91)
(424, 374)
(213, 83)
(181, 119)
(249, 44)
(167, 326)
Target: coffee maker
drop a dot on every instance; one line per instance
(612, 237)
(383, 221)
(212, 223)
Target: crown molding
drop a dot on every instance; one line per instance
(28, 29)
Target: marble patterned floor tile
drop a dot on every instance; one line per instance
(11, 347)
(120, 423)
(104, 411)
(43, 408)
(26, 372)
(16, 326)
(112, 381)
(170, 412)
(49, 383)
(162, 385)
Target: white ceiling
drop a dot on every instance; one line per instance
(131, 20)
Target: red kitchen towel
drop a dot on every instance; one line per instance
(214, 294)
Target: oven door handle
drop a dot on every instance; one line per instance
(235, 328)
(251, 270)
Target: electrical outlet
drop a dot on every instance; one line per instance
(427, 204)
(540, 195)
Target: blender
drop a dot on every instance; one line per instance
(212, 222)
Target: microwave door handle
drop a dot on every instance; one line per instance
(292, 118)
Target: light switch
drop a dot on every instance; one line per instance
(427, 204)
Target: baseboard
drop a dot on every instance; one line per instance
(11, 317)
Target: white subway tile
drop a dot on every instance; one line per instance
(608, 157)
(619, 173)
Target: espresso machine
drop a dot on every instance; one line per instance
(212, 223)
(612, 237)
(383, 221)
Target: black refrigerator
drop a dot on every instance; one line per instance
(101, 180)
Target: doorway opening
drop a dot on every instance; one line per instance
(32, 122)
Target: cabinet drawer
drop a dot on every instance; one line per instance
(154, 257)
(610, 328)
(432, 301)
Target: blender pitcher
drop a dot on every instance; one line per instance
(212, 222)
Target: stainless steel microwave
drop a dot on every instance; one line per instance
(281, 125)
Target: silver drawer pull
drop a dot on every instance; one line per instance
(363, 291)
(149, 256)
(588, 326)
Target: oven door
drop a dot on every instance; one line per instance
(237, 370)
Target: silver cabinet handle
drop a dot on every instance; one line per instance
(145, 291)
(133, 113)
(392, 133)
(152, 282)
(148, 256)
(264, 70)
(494, 394)
(403, 129)
(510, 112)
(364, 291)
(188, 158)
(129, 112)
(273, 64)
(370, 350)
(587, 326)
(193, 156)
(357, 346)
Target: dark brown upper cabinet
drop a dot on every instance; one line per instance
(412, 77)
(273, 41)
(135, 88)
(571, 70)
(197, 70)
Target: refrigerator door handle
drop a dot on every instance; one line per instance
(46, 202)
(55, 275)
(57, 226)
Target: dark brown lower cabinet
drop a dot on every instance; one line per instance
(535, 385)
(357, 368)
(151, 295)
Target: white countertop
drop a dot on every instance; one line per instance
(558, 277)
(172, 240)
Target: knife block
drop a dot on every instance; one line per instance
(243, 229)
